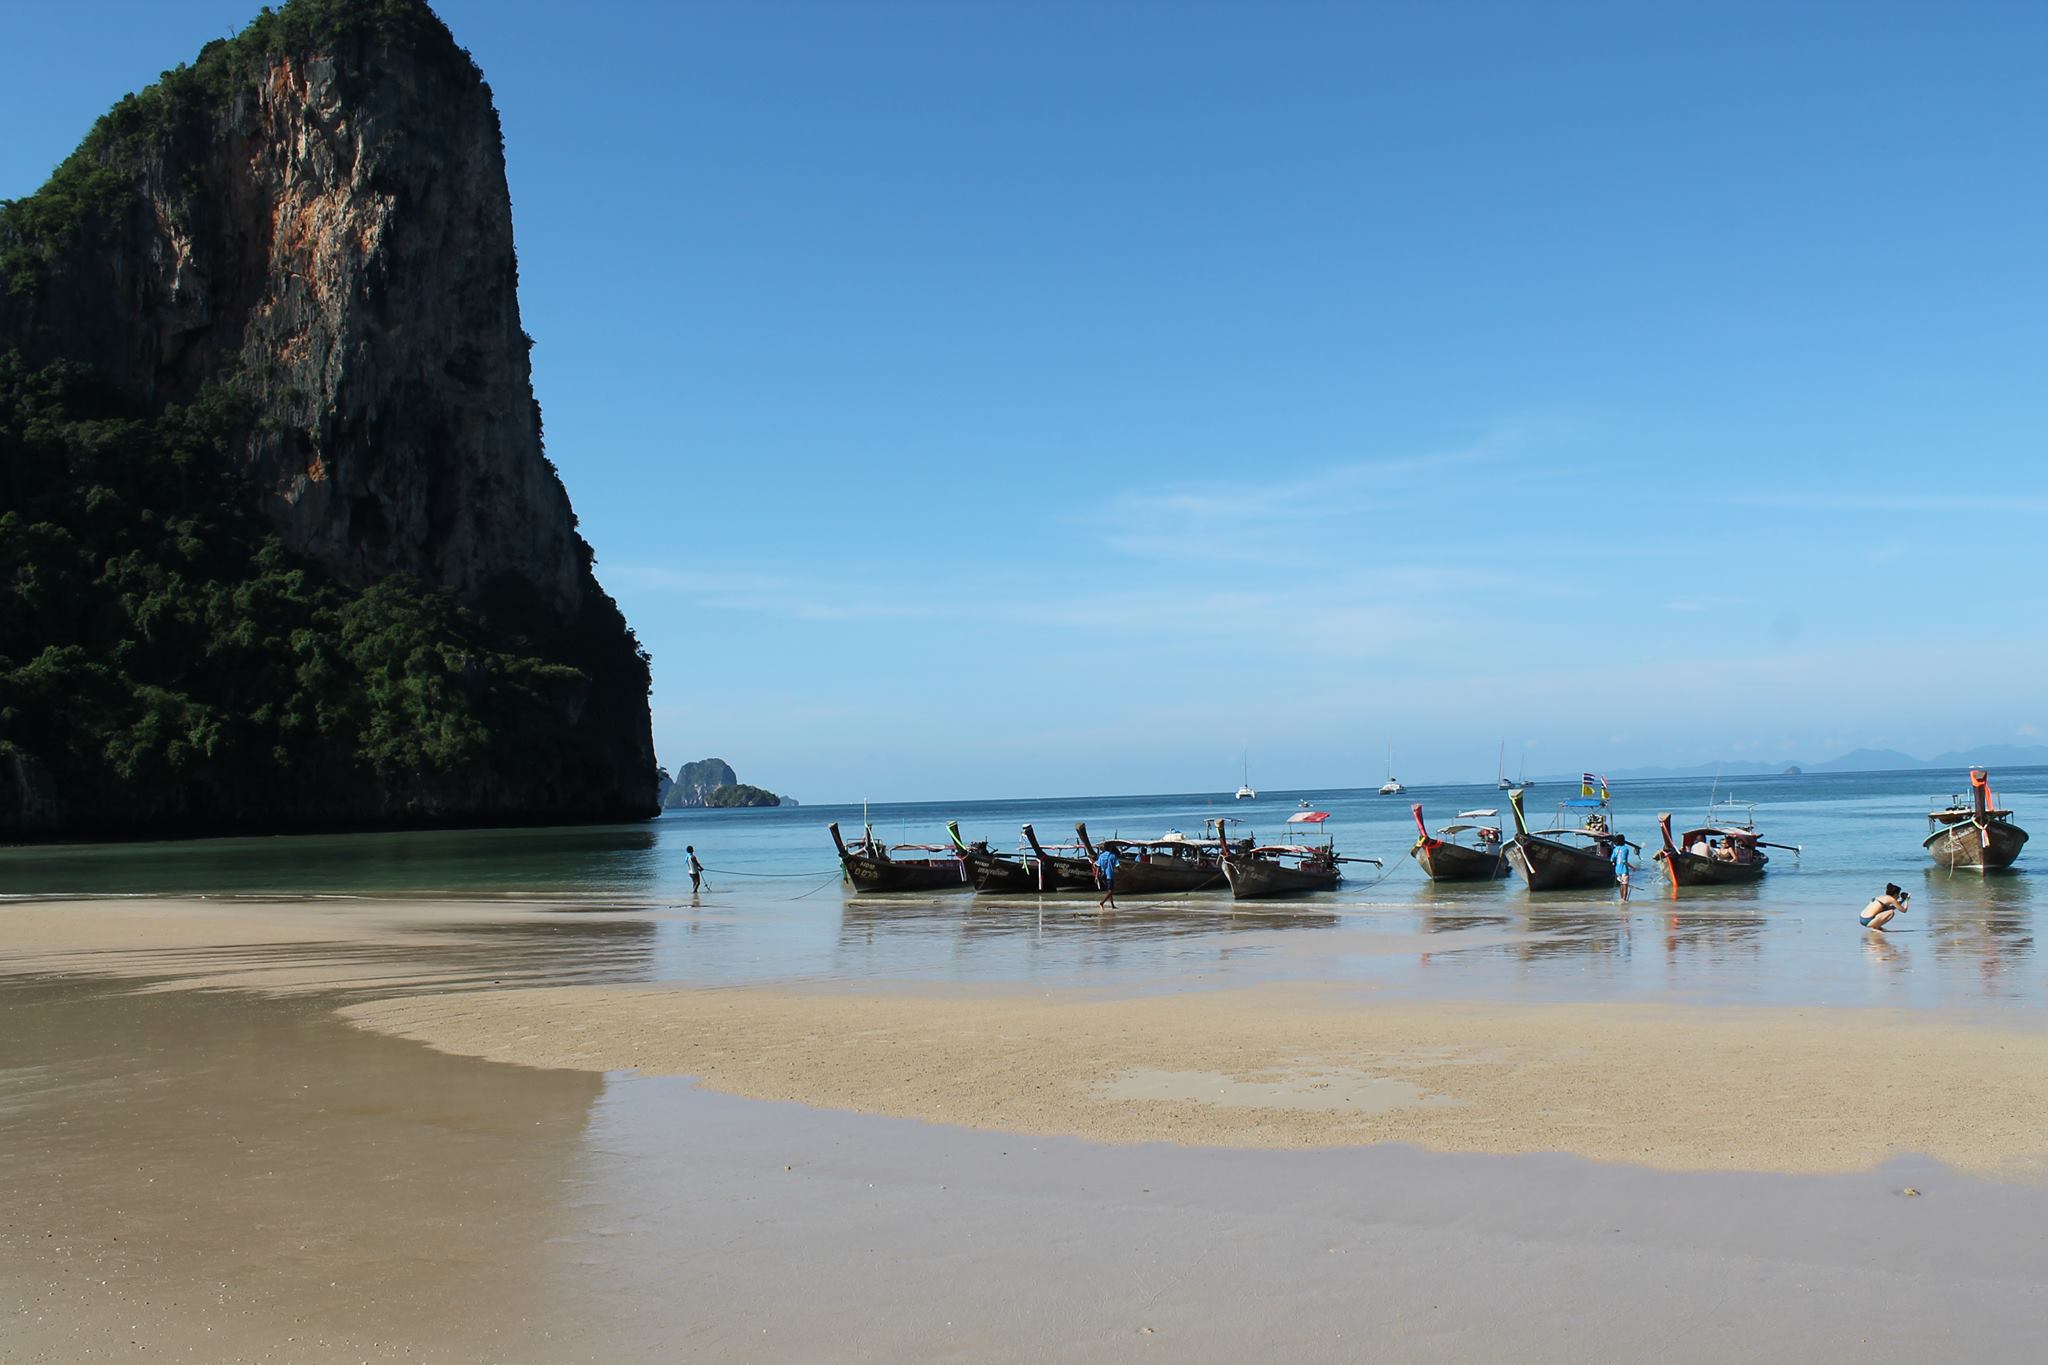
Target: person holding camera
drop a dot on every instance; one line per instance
(1883, 909)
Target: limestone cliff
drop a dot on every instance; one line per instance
(313, 219)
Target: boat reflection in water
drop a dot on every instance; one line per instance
(1982, 927)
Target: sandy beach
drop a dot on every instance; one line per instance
(1673, 1087)
(464, 1130)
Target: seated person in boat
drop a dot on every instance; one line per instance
(1701, 848)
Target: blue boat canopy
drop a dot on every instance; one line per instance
(1585, 802)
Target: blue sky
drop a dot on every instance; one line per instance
(1027, 399)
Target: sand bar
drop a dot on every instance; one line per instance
(1674, 1087)
(1678, 1088)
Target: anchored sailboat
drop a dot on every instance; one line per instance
(1392, 786)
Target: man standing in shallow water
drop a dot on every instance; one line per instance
(1622, 865)
(696, 869)
(1105, 873)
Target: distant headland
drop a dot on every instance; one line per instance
(710, 783)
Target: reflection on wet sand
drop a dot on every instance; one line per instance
(1454, 907)
(1983, 926)
(1063, 931)
(605, 859)
(214, 1173)
(1729, 934)
(1582, 929)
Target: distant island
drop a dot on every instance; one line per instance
(1855, 761)
(711, 784)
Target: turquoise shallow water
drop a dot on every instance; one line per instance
(773, 908)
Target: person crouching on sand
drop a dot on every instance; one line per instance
(1883, 909)
(1622, 866)
(1105, 873)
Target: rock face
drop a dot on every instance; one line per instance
(711, 782)
(694, 782)
(337, 224)
(315, 214)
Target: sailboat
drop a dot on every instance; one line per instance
(1502, 782)
(1245, 792)
(1392, 786)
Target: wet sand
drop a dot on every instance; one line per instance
(1677, 1088)
(234, 1171)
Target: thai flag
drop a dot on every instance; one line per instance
(1592, 784)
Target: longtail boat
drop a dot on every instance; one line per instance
(1056, 868)
(1170, 866)
(1977, 837)
(1460, 852)
(991, 872)
(1726, 851)
(1260, 870)
(1565, 856)
(871, 867)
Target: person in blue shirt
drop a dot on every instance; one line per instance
(1622, 865)
(1105, 876)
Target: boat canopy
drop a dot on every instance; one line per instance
(1721, 831)
(1477, 814)
(1460, 829)
(1308, 817)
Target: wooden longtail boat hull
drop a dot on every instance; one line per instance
(1969, 846)
(995, 876)
(1443, 861)
(991, 873)
(1161, 877)
(1690, 869)
(1251, 878)
(1551, 866)
(1166, 879)
(1061, 873)
(867, 874)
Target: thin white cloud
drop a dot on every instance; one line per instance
(1928, 503)
(1282, 524)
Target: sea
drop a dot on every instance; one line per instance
(775, 909)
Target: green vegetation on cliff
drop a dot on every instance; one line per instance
(712, 782)
(739, 794)
(280, 544)
(94, 185)
(159, 647)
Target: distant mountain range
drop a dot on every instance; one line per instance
(1855, 761)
